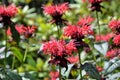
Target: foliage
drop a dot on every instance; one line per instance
(23, 57)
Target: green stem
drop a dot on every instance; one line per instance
(58, 31)
(80, 65)
(98, 24)
(5, 48)
(26, 51)
(60, 73)
(13, 63)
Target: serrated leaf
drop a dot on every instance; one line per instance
(102, 47)
(91, 70)
(17, 53)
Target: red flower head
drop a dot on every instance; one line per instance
(116, 39)
(23, 30)
(106, 37)
(56, 11)
(54, 75)
(86, 30)
(73, 31)
(28, 31)
(99, 68)
(77, 34)
(111, 53)
(115, 25)
(17, 27)
(7, 12)
(95, 5)
(73, 59)
(85, 21)
(59, 48)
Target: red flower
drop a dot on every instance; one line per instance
(23, 30)
(7, 12)
(28, 31)
(114, 25)
(116, 39)
(56, 11)
(73, 31)
(59, 9)
(59, 48)
(111, 53)
(106, 37)
(99, 68)
(73, 59)
(85, 21)
(17, 27)
(86, 30)
(95, 5)
(54, 75)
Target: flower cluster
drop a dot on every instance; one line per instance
(113, 53)
(59, 50)
(116, 39)
(23, 30)
(7, 12)
(56, 11)
(85, 21)
(79, 31)
(115, 25)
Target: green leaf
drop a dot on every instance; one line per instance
(17, 53)
(115, 65)
(12, 76)
(102, 47)
(66, 73)
(91, 70)
(15, 34)
(114, 76)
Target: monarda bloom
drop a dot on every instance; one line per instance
(95, 5)
(56, 11)
(104, 37)
(116, 40)
(23, 30)
(6, 13)
(100, 69)
(28, 31)
(85, 21)
(17, 27)
(54, 75)
(74, 32)
(115, 25)
(113, 53)
(77, 34)
(59, 50)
